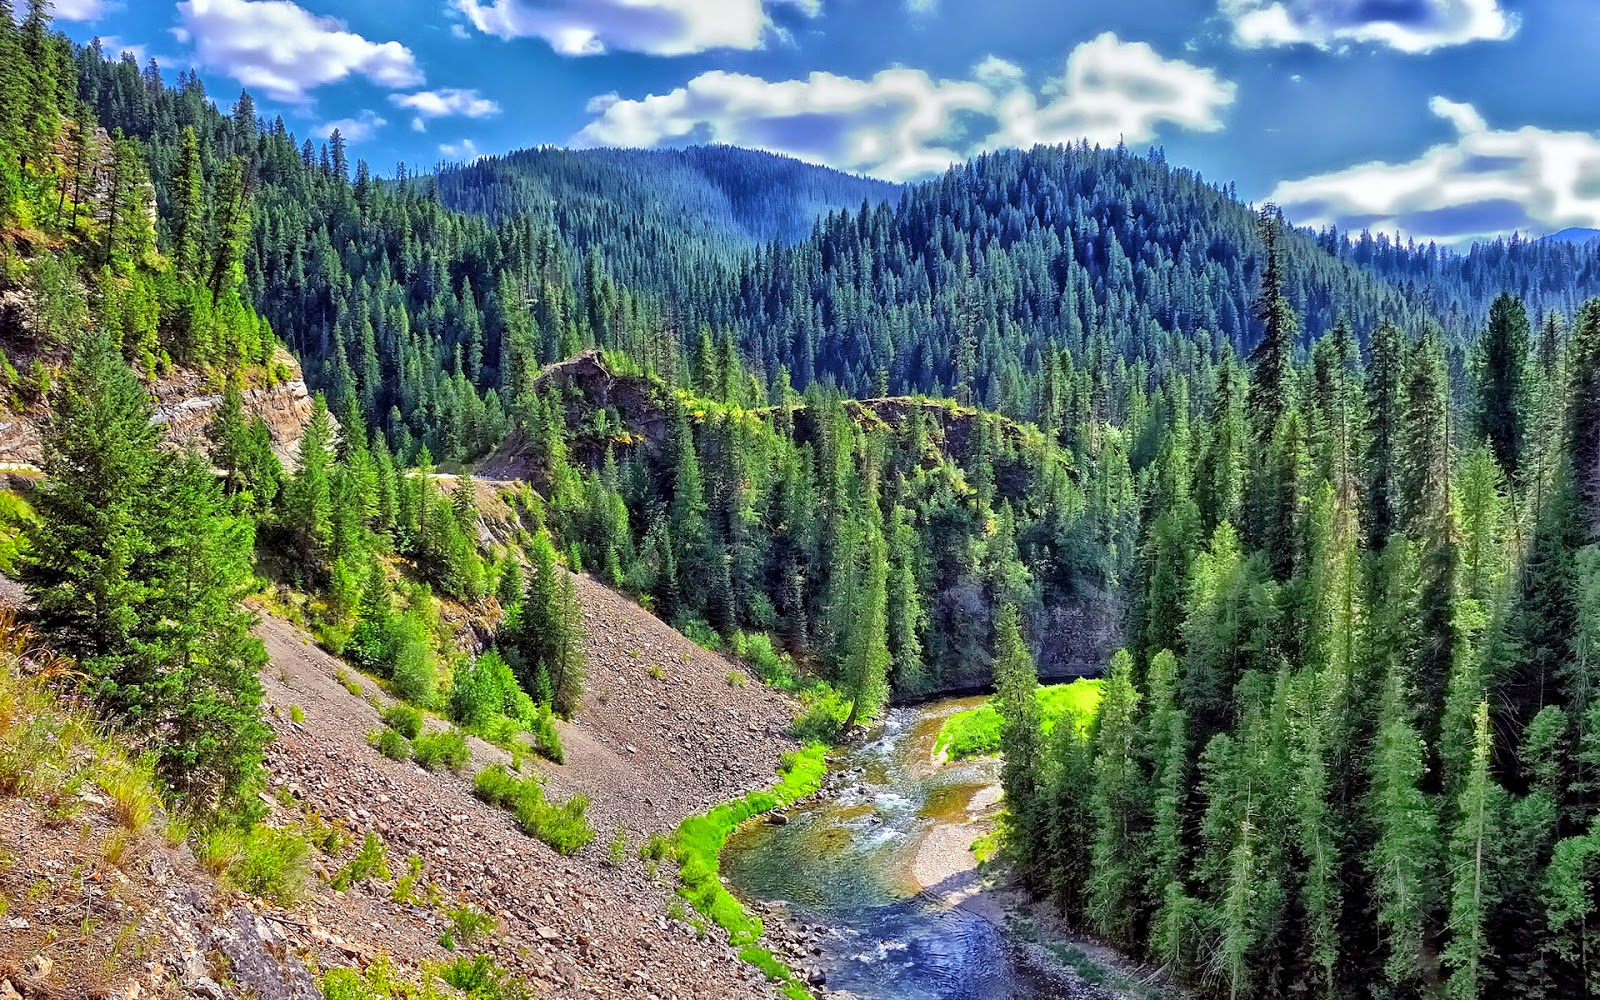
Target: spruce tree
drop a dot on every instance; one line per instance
(1021, 742)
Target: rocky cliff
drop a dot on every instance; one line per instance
(186, 403)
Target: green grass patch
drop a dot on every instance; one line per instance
(445, 748)
(403, 719)
(976, 732)
(698, 844)
(564, 826)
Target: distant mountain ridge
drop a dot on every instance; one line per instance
(742, 197)
(1573, 234)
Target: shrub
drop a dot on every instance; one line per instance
(372, 861)
(297, 715)
(483, 689)
(416, 676)
(698, 631)
(403, 719)
(468, 925)
(824, 714)
(564, 827)
(391, 744)
(411, 889)
(481, 978)
(272, 864)
(444, 748)
(757, 650)
(546, 739)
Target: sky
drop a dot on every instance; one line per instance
(1446, 120)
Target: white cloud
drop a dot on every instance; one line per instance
(902, 123)
(1411, 26)
(654, 27)
(284, 51)
(1113, 90)
(358, 129)
(79, 10)
(1482, 183)
(922, 8)
(429, 104)
(466, 149)
(114, 47)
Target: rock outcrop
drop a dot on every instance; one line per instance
(186, 403)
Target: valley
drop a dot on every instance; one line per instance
(700, 573)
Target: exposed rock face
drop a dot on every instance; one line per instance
(186, 403)
(1078, 638)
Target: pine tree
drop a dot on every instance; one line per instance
(1401, 862)
(308, 498)
(1021, 742)
(1503, 386)
(188, 210)
(1116, 805)
(1475, 850)
(212, 736)
(93, 530)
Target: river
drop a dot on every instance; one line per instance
(882, 862)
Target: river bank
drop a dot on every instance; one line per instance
(871, 886)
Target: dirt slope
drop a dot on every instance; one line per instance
(646, 752)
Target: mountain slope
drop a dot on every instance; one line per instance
(725, 195)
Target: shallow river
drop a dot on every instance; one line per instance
(850, 862)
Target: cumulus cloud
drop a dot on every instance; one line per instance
(358, 129)
(285, 51)
(902, 123)
(466, 149)
(654, 27)
(114, 47)
(1411, 26)
(79, 10)
(1484, 182)
(450, 102)
(1113, 90)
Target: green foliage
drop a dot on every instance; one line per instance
(564, 826)
(270, 863)
(468, 925)
(481, 978)
(975, 732)
(403, 719)
(371, 862)
(391, 744)
(136, 565)
(441, 748)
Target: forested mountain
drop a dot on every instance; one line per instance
(1553, 276)
(619, 199)
(1347, 492)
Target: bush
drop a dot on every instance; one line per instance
(482, 690)
(546, 739)
(757, 650)
(468, 925)
(824, 715)
(371, 862)
(272, 864)
(403, 719)
(391, 744)
(444, 748)
(416, 676)
(698, 631)
(564, 827)
(481, 978)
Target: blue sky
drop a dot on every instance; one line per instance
(1441, 119)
